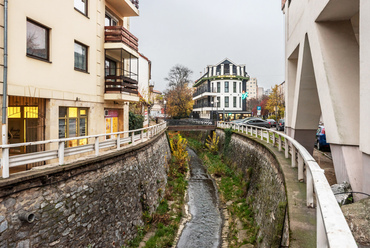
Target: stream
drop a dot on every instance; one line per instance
(204, 228)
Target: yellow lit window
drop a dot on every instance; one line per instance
(14, 112)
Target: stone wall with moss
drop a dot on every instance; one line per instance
(265, 184)
(98, 202)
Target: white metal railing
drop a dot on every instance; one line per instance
(331, 226)
(62, 152)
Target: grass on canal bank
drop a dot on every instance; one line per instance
(233, 193)
(161, 227)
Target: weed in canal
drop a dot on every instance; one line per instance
(233, 188)
(164, 222)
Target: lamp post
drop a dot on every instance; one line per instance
(216, 101)
(165, 102)
(212, 109)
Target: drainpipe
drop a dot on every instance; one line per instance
(5, 160)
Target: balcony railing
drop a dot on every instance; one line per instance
(121, 34)
(203, 105)
(202, 90)
(120, 84)
(136, 3)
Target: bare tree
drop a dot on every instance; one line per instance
(179, 95)
(179, 75)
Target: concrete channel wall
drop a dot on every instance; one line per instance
(266, 190)
(98, 201)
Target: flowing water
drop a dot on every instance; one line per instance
(204, 228)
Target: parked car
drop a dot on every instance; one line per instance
(321, 138)
(272, 122)
(257, 122)
(280, 125)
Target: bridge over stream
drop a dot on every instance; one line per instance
(190, 124)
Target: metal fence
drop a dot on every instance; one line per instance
(191, 122)
(62, 152)
(332, 228)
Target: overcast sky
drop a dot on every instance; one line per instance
(197, 33)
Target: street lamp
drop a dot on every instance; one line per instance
(216, 109)
(164, 102)
(212, 109)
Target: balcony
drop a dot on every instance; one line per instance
(125, 8)
(120, 84)
(206, 89)
(203, 105)
(119, 34)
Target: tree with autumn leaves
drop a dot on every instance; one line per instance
(276, 103)
(273, 104)
(179, 95)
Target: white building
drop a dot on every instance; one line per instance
(261, 92)
(219, 92)
(252, 88)
(327, 55)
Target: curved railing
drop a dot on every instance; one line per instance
(131, 136)
(332, 228)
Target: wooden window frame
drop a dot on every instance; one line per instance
(47, 40)
(87, 57)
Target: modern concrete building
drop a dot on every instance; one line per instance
(73, 68)
(260, 92)
(327, 72)
(219, 92)
(252, 88)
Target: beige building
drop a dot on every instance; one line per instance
(327, 73)
(72, 68)
(252, 88)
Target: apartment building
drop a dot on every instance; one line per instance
(220, 92)
(252, 88)
(327, 54)
(73, 69)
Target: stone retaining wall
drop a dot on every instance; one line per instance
(98, 202)
(266, 190)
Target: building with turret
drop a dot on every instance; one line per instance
(221, 92)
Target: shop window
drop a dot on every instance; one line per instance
(73, 123)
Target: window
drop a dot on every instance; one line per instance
(80, 57)
(234, 101)
(226, 87)
(226, 101)
(240, 102)
(218, 101)
(110, 20)
(234, 87)
(37, 40)
(218, 87)
(73, 123)
(240, 87)
(110, 67)
(81, 6)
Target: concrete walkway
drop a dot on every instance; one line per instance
(302, 220)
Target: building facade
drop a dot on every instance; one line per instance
(219, 92)
(73, 69)
(327, 73)
(252, 88)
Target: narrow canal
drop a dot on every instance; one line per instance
(204, 228)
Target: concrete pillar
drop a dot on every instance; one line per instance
(305, 113)
(126, 106)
